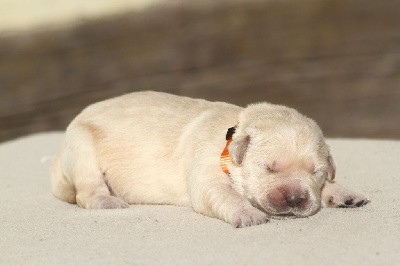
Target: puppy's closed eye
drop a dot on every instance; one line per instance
(320, 173)
(317, 171)
(270, 170)
(272, 167)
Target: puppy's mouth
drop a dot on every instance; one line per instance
(284, 212)
(274, 213)
(287, 213)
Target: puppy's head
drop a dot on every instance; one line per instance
(280, 160)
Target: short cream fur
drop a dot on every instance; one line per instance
(158, 148)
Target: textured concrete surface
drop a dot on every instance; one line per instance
(37, 229)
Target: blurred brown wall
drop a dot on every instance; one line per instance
(336, 61)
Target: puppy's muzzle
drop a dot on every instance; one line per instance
(288, 199)
(294, 201)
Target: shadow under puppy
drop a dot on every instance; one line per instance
(158, 148)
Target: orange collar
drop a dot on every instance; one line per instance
(226, 158)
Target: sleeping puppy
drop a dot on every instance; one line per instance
(157, 148)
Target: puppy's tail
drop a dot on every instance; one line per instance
(61, 187)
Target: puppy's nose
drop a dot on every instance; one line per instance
(294, 200)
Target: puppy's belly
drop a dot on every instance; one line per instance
(145, 185)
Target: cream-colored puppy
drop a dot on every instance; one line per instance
(157, 148)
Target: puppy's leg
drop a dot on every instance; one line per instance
(81, 166)
(213, 196)
(336, 196)
(61, 187)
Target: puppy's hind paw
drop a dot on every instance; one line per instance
(336, 196)
(345, 199)
(353, 202)
(111, 202)
(249, 217)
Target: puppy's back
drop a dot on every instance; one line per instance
(143, 142)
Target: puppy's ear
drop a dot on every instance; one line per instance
(331, 169)
(238, 148)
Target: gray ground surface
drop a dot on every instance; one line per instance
(37, 229)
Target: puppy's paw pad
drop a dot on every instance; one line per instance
(249, 217)
(362, 203)
(348, 201)
(111, 202)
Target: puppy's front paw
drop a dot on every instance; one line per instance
(339, 197)
(249, 217)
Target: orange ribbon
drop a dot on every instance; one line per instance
(226, 158)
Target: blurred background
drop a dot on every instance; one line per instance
(335, 61)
